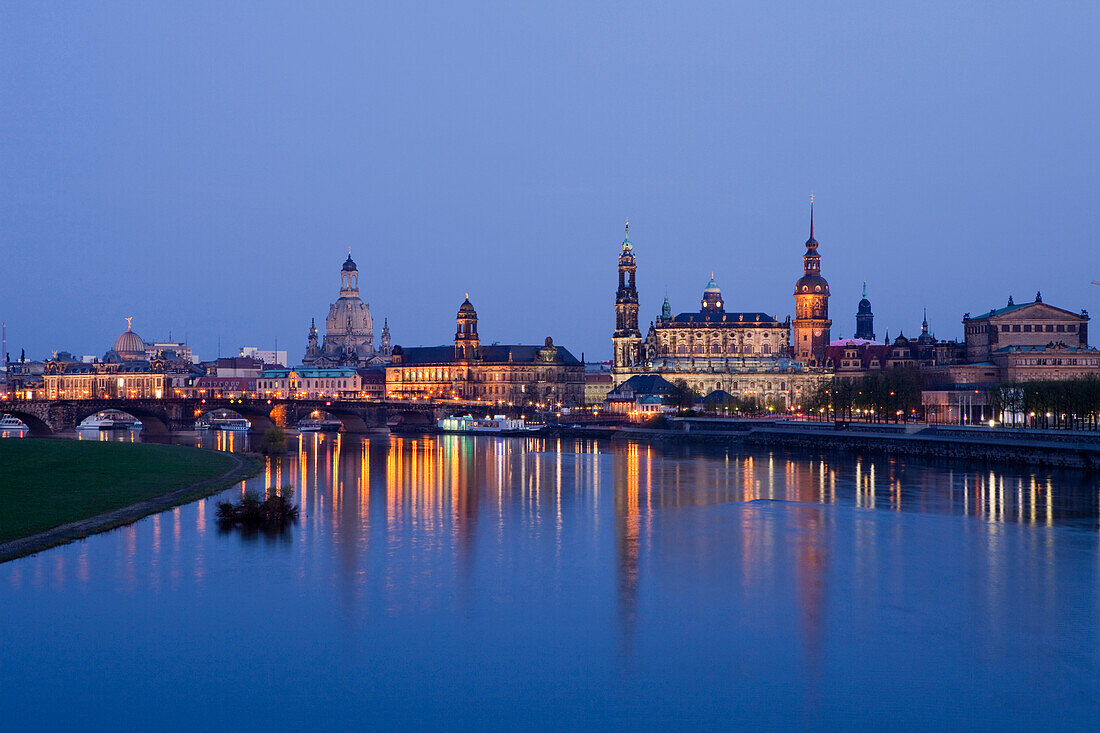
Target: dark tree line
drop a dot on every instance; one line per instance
(889, 396)
(1070, 403)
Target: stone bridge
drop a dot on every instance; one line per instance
(158, 417)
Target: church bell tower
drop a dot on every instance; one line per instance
(627, 339)
(811, 306)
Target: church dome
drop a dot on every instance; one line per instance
(349, 316)
(812, 284)
(467, 308)
(712, 287)
(349, 264)
(130, 345)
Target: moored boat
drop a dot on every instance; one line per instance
(109, 420)
(322, 426)
(7, 422)
(498, 424)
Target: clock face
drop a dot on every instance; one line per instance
(817, 333)
(718, 304)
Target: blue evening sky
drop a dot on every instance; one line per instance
(204, 166)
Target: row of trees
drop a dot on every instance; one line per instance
(889, 396)
(894, 395)
(683, 397)
(1069, 403)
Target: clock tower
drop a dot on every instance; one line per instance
(811, 306)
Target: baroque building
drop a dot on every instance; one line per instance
(515, 374)
(349, 329)
(125, 372)
(745, 353)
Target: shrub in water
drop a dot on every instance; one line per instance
(275, 511)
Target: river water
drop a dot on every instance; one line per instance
(480, 582)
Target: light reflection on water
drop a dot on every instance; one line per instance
(448, 580)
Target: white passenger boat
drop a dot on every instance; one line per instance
(498, 424)
(7, 422)
(317, 426)
(109, 420)
(236, 424)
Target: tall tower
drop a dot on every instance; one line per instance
(865, 320)
(627, 339)
(467, 344)
(386, 350)
(811, 306)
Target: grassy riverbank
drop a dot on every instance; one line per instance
(45, 484)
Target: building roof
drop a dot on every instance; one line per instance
(866, 352)
(1013, 307)
(492, 354)
(756, 318)
(309, 372)
(1035, 348)
(718, 396)
(643, 384)
(241, 383)
(129, 344)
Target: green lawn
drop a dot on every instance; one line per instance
(45, 483)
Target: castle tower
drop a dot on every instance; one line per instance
(467, 344)
(627, 339)
(865, 320)
(811, 306)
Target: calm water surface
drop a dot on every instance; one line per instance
(482, 582)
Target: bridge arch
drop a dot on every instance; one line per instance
(258, 415)
(153, 421)
(38, 427)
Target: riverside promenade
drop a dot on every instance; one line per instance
(1065, 448)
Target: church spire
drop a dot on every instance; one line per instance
(811, 243)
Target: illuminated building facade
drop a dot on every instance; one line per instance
(125, 373)
(349, 329)
(114, 381)
(309, 382)
(516, 374)
(745, 353)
